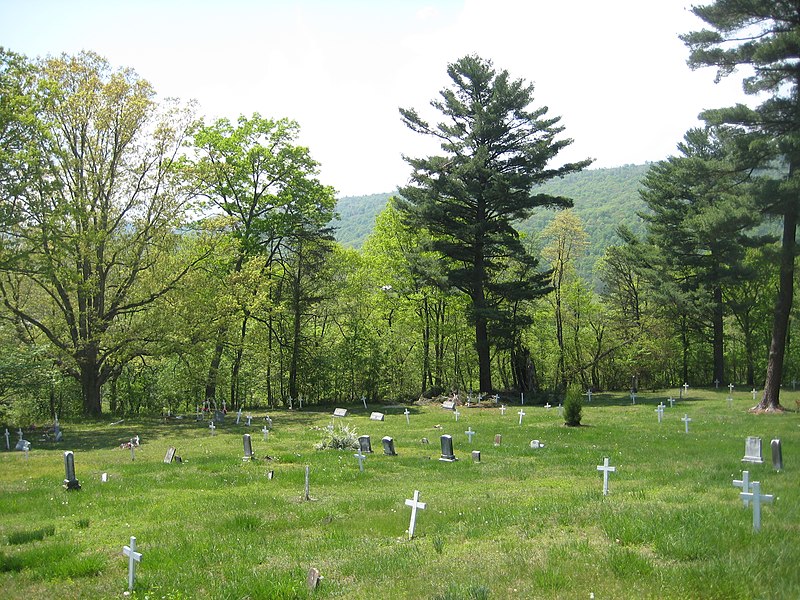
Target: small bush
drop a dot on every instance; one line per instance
(573, 407)
(342, 437)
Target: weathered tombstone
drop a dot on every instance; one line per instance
(686, 420)
(248, 447)
(414, 504)
(743, 483)
(498, 439)
(23, 446)
(425, 441)
(340, 412)
(448, 405)
(606, 470)
(756, 497)
(388, 446)
(521, 414)
(364, 444)
(249, 419)
(313, 578)
(476, 456)
(360, 456)
(752, 450)
(469, 433)
(406, 413)
(104, 478)
(447, 449)
(777, 455)
(535, 444)
(134, 557)
(522, 398)
(376, 416)
(170, 455)
(59, 435)
(70, 481)
(219, 416)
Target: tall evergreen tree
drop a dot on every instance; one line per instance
(495, 150)
(764, 36)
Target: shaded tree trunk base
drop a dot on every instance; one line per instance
(760, 410)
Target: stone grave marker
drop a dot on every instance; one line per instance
(406, 412)
(313, 579)
(730, 388)
(535, 444)
(340, 412)
(134, 558)
(265, 431)
(496, 398)
(23, 446)
(686, 420)
(685, 387)
(212, 427)
(756, 497)
(743, 483)
(388, 446)
(170, 455)
(239, 415)
(456, 414)
(364, 444)
(360, 456)
(8, 444)
(521, 414)
(503, 410)
(754, 391)
(248, 447)
(589, 394)
(752, 450)
(469, 433)
(660, 411)
(522, 399)
(425, 441)
(219, 416)
(414, 504)
(498, 439)
(777, 455)
(307, 487)
(548, 406)
(447, 449)
(606, 469)
(476, 456)
(376, 416)
(70, 481)
(716, 384)
(448, 405)
(671, 401)
(364, 401)
(249, 419)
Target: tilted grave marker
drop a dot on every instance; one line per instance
(777, 455)
(376, 416)
(521, 414)
(414, 504)
(248, 447)
(170, 455)
(340, 412)
(134, 558)
(388, 446)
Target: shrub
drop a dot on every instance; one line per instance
(573, 407)
(339, 438)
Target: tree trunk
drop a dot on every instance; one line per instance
(213, 368)
(484, 357)
(718, 341)
(90, 388)
(770, 400)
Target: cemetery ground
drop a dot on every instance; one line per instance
(522, 522)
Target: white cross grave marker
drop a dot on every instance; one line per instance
(249, 418)
(730, 388)
(521, 414)
(744, 483)
(133, 558)
(406, 412)
(414, 504)
(548, 405)
(686, 420)
(469, 433)
(212, 427)
(671, 401)
(716, 383)
(360, 458)
(503, 410)
(300, 400)
(364, 401)
(20, 434)
(686, 389)
(8, 446)
(660, 411)
(633, 397)
(238, 415)
(265, 431)
(605, 469)
(456, 414)
(588, 393)
(757, 498)
(754, 392)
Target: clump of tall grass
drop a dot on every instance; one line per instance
(342, 437)
(30, 535)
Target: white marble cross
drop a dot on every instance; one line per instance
(521, 414)
(496, 398)
(456, 414)
(503, 410)
(606, 470)
(716, 383)
(20, 434)
(686, 389)
(133, 558)
(360, 456)
(757, 498)
(469, 433)
(238, 415)
(686, 420)
(744, 483)
(364, 401)
(414, 504)
(671, 401)
(265, 431)
(588, 393)
(406, 412)
(212, 427)
(548, 405)
(730, 388)
(660, 411)
(754, 391)
(300, 401)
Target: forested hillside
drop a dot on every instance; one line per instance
(604, 199)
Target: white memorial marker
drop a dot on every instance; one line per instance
(406, 412)
(238, 415)
(360, 458)
(605, 469)
(633, 397)
(300, 401)
(730, 388)
(754, 391)
(456, 414)
(249, 418)
(8, 445)
(364, 401)
(212, 427)
(744, 483)
(521, 414)
(522, 398)
(671, 401)
(686, 420)
(469, 433)
(265, 431)
(588, 393)
(660, 411)
(686, 389)
(414, 504)
(716, 384)
(133, 558)
(502, 410)
(757, 498)
(20, 434)
(548, 405)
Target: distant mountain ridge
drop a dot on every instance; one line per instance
(603, 199)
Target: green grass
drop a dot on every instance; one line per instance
(521, 523)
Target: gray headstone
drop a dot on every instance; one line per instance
(447, 449)
(425, 441)
(498, 439)
(476, 456)
(340, 412)
(248, 447)
(170, 455)
(448, 404)
(388, 446)
(313, 578)
(219, 416)
(364, 444)
(777, 455)
(376, 416)
(23, 445)
(70, 481)
(752, 450)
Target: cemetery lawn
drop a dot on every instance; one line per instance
(522, 523)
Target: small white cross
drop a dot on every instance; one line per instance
(265, 431)
(548, 405)
(503, 410)
(249, 418)
(686, 420)
(406, 412)
(757, 498)
(522, 398)
(469, 433)
(212, 427)
(20, 434)
(671, 401)
(300, 400)
(730, 388)
(716, 383)
(633, 397)
(660, 411)
(456, 414)
(521, 414)
(364, 401)
(754, 391)
(414, 504)
(238, 415)
(360, 458)
(744, 483)
(685, 388)
(589, 393)
(291, 404)
(605, 469)
(133, 558)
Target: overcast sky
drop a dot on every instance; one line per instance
(615, 71)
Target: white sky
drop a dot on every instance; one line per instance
(614, 70)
